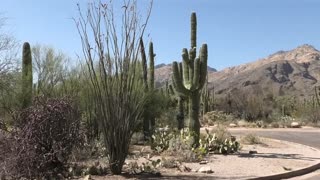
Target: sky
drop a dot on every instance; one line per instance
(236, 31)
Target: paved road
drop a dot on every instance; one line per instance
(310, 137)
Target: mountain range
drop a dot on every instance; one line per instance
(294, 72)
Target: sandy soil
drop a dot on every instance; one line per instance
(273, 157)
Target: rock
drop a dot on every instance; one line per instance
(183, 168)
(232, 125)
(203, 162)
(295, 125)
(87, 177)
(205, 169)
(242, 123)
(253, 152)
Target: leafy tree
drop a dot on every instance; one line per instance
(9, 72)
(50, 69)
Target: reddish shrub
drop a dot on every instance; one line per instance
(45, 141)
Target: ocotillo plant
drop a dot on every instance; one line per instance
(194, 73)
(26, 75)
(148, 119)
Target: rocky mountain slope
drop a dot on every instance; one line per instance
(294, 72)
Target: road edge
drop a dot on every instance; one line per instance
(294, 173)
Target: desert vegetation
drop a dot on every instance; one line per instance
(60, 121)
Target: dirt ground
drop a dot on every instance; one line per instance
(272, 157)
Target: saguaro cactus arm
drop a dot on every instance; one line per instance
(177, 80)
(196, 74)
(203, 65)
(186, 61)
(193, 30)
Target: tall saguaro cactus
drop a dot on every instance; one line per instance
(148, 119)
(194, 72)
(26, 75)
(151, 82)
(151, 66)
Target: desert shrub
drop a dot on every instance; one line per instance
(274, 125)
(88, 149)
(82, 169)
(251, 139)
(217, 117)
(220, 142)
(178, 144)
(286, 121)
(166, 118)
(150, 167)
(221, 132)
(5, 149)
(157, 112)
(169, 163)
(42, 146)
(161, 139)
(313, 116)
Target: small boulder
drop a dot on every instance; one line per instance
(243, 123)
(295, 125)
(203, 162)
(253, 152)
(232, 125)
(183, 168)
(205, 169)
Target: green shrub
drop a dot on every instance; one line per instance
(161, 139)
(220, 142)
(178, 144)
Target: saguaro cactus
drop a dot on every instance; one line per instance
(151, 66)
(207, 99)
(317, 94)
(148, 120)
(194, 72)
(144, 65)
(151, 82)
(26, 75)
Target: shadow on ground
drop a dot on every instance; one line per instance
(278, 156)
(187, 177)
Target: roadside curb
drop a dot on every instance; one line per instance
(291, 174)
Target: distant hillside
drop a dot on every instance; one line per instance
(294, 72)
(163, 73)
